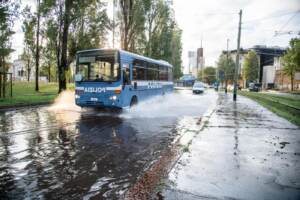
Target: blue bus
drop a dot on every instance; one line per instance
(110, 78)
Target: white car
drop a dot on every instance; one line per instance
(198, 88)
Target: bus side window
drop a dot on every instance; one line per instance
(139, 70)
(163, 73)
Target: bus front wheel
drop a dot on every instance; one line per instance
(133, 101)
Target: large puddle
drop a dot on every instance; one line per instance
(65, 152)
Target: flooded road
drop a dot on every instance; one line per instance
(64, 152)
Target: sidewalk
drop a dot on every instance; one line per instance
(244, 152)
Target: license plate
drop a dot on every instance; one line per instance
(94, 99)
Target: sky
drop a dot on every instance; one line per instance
(214, 21)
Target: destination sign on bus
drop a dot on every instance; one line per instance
(87, 59)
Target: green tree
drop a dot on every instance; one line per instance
(8, 11)
(51, 49)
(176, 50)
(209, 75)
(250, 67)
(148, 27)
(158, 18)
(226, 67)
(72, 25)
(89, 29)
(291, 60)
(28, 27)
(131, 18)
(163, 35)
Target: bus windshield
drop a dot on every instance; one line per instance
(98, 68)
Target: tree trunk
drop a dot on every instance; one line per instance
(49, 73)
(63, 64)
(1, 84)
(37, 53)
(4, 84)
(225, 86)
(28, 70)
(1, 70)
(292, 82)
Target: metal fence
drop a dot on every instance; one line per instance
(5, 84)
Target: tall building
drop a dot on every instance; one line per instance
(192, 56)
(196, 61)
(200, 59)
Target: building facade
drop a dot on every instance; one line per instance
(18, 70)
(270, 73)
(192, 62)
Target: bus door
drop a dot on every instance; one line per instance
(126, 75)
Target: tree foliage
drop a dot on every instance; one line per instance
(89, 29)
(226, 67)
(132, 23)
(28, 28)
(8, 12)
(209, 75)
(145, 27)
(148, 27)
(250, 67)
(66, 27)
(291, 60)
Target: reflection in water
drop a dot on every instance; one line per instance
(64, 152)
(236, 150)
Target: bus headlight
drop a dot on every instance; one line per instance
(113, 98)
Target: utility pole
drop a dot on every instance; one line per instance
(227, 66)
(236, 70)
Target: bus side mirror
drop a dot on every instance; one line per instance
(78, 77)
(135, 85)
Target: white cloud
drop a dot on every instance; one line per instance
(217, 20)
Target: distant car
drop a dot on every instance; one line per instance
(198, 88)
(231, 87)
(254, 87)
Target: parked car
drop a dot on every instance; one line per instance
(198, 88)
(254, 87)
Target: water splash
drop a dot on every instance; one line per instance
(171, 105)
(64, 107)
(65, 101)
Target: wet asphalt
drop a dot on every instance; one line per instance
(244, 152)
(72, 153)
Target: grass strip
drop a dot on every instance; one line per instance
(281, 106)
(24, 94)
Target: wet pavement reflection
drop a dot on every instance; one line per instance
(88, 154)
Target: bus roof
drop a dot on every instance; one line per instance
(161, 62)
